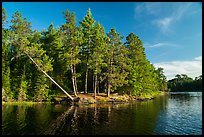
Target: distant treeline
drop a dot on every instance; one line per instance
(183, 83)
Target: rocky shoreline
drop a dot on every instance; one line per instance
(101, 99)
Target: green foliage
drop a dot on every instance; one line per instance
(161, 79)
(72, 38)
(184, 83)
(42, 89)
(6, 91)
(87, 28)
(98, 48)
(5, 66)
(116, 59)
(137, 64)
(4, 16)
(22, 91)
(142, 76)
(87, 25)
(75, 57)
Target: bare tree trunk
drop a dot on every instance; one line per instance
(74, 67)
(76, 85)
(95, 83)
(98, 85)
(105, 86)
(86, 78)
(108, 86)
(109, 78)
(73, 75)
(108, 92)
(73, 81)
(50, 78)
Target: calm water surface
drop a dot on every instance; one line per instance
(175, 114)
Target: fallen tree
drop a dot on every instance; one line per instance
(49, 77)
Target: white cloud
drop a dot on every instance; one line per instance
(192, 68)
(151, 8)
(165, 13)
(161, 44)
(179, 11)
(164, 24)
(198, 58)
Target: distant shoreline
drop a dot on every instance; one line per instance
(186, 91)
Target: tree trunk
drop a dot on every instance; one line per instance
(50, 78)
(108, 92)
(95, 84)
(86, 77)
(86, 80)
(73, 75)
(108, 85)
(98, 86)
(109, 78)
(75, 85)
(74, 67)
(96, 79)
(73, 80)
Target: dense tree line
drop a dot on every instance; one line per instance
(182, 83)
(80, 58)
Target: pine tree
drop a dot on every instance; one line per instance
(20, 31)
(117, 62)
(75, 55)
(72, 38)
(142, 78)
(87, 25)
(137, 64)
(38, 54)
(97, 52)
(51, 41)
(161, 78)
(25, 47)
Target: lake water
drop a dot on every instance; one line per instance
(175, 114)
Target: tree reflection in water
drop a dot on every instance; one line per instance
(138, 118)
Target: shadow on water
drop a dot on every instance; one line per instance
(139, 118)
(48, 119)
(104, 119)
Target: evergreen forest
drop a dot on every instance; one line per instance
(81, 58)
(183, 83)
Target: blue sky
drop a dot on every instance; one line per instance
(171, 31)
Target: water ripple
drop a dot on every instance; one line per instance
(166, 115)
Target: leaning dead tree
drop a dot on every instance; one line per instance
(50, 77)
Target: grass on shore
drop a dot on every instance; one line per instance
(22, 102)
